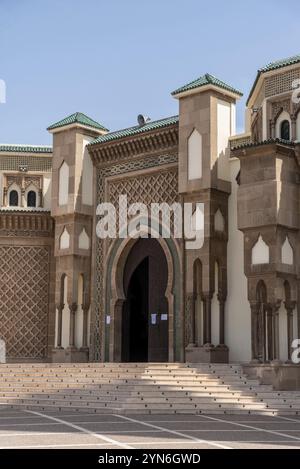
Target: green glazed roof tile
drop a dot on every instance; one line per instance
(280, 63)
(206, 79)
(152, 125)
(264, 142)
(273, 66)
(25, 148)
(77, 118)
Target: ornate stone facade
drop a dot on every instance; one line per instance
(146, 178)
(27, 318)
(24, 301)
(235, 297)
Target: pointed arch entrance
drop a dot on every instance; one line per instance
(145, 308)
(165, 310)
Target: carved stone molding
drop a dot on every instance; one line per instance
(26, 224)
(161, 140)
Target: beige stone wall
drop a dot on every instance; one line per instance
(268, 215)
(27, 315)
(238, 314)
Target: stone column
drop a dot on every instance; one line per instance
(85, 309)
(254, 331)
(40, 201)
(221, 300)
(272, 125)
(275, 330)
(115, 343)
(289, 306)
(190, 319)
(293, 128)
(261, 342)
(269, 324)
(207, 317)
(23, 201)
(60, 308)
(73, 309)
(5, 202)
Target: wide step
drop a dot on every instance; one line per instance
(140, 388)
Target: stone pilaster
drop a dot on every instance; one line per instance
(190, 319)
(207, 297)
(5, 202)
(60, 308)
(289, 306)
(23, 201)
(40, 198)
(293, 128)
(254, 331)
(222, 301)
(73, 310)
(269, 351)
(85, 309)
(275, 330)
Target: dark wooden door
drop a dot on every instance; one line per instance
(145, 312)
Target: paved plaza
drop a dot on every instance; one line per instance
(67, 430)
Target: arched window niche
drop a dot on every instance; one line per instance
(31, 199)
(13, 198)
(285, 130)
(283, 126)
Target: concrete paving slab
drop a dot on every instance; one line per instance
(69, 430)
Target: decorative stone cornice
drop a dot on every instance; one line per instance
(26, 224)
(158, 140)
(276, 145)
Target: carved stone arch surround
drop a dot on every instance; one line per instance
(114, 294)
(279, 106)
(139, 166)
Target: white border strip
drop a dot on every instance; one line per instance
(82, 429)
(174, 432)
(273, 432)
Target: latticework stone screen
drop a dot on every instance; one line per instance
(24, 300)
(280, 83)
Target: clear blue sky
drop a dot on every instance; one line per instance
(114, 59)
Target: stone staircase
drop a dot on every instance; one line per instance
(140, 388)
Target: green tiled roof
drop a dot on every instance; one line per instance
(77, 118)
(264, 142)
(152, 125)
(273, 66)
(206, 79)
(25, 148)
(280, 63)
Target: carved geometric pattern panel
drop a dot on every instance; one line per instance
(281, 82)
(96, 347)
(24, 286)
(33, 163)
(159, 187)
(284, 105)
(35, 180)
